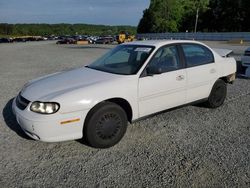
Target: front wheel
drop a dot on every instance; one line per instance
(105, 125)
(217, 95)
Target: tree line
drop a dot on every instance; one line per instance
(180, 16)
(161, 16)
(61, 29)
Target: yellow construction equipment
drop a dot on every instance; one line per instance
(124, 37)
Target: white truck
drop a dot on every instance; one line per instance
(131, 81)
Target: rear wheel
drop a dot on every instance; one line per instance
(105, 125)
(217, 95)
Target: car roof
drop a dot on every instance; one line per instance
(158, 43)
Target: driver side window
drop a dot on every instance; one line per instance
(166, 59)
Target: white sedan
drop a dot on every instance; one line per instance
(131, 81)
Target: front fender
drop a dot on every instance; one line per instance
(86, 98)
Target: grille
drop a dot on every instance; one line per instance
(21, 102)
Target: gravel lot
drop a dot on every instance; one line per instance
(190, 146)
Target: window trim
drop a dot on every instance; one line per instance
(195, 44)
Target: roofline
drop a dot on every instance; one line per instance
(158, 43)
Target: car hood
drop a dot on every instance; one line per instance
(47, 87)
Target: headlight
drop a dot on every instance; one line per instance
(44, 107)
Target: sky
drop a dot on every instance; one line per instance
(106, 12)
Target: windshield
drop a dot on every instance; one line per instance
(124, 59)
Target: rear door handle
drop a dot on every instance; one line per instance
(180, 77)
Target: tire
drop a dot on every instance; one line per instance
(105, 125)
(218, 94)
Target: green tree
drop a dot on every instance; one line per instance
(147, 23)
(62, 29)
(193, 8)
(226, 16)
(168, 15)
(161, 16)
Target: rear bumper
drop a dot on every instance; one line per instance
(49, 128)
(231, 78)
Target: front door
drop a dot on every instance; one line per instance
(163, 84)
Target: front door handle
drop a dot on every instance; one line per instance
(180, 77)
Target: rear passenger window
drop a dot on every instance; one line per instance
(197, 55)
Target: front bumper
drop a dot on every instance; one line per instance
(49, 128)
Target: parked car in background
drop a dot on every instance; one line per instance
(92, 39)
(104, 40)
(67, 41)
(6, 40)
(52, 37)
(19, 39)
(245, 63)
(25, 39)
(131, 81)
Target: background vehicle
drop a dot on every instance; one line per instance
(19, 39)
(6, 40)
(66, 41)
(124, 37)
(104, 40)
(245, 63)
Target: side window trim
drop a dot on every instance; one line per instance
(179, 54)
(184, 56)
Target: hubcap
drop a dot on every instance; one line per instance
(108, 125)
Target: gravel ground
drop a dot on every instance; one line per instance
(189, 146)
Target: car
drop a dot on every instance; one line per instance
(104, 40)
(132, 81)
(245, 64)
(67, 41)
(92, 39)
(5, 40)
(19, 39)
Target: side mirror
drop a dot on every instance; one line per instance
(152, 70)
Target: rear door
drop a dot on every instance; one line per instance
(162, 91)
(201, 71)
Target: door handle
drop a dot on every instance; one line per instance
(180, 77)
